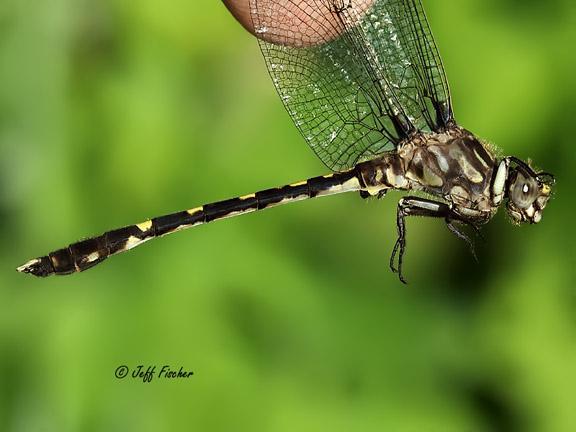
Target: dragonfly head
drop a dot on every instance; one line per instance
(528, 192)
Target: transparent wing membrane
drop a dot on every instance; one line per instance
(356, 76)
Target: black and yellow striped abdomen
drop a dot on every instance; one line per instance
(87, 253)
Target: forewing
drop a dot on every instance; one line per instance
(352, 73)
(415, 66)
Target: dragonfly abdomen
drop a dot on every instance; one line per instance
(87, 253)
(386, 172)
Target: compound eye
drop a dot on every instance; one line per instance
(524, 192)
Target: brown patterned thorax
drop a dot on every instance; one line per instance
(453, 165)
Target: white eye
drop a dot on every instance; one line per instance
(525, 188)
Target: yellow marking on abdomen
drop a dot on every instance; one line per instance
(132, 242)
(394, 179)
(92, 257)
(237, 213)
(194, 210)
(350, 185)
(145, 226)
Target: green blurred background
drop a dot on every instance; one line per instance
(115, 111)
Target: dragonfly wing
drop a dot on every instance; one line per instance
(356, 76)
(415, 66)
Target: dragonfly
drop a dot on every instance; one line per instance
(364, 83)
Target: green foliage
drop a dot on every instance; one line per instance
(112, 112)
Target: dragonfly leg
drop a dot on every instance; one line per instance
(366, 195)
(451, 224)
(382, 193)
(413, 206)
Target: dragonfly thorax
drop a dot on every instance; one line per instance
(454, 166)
